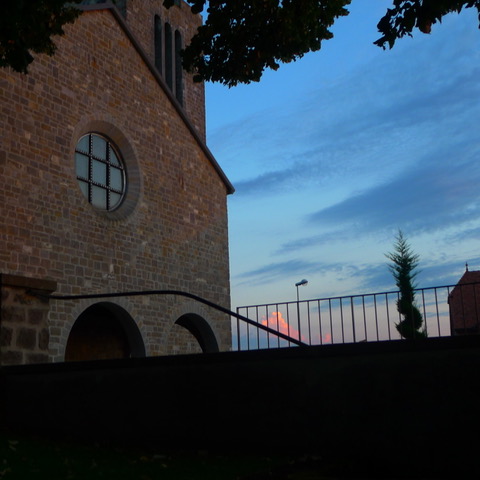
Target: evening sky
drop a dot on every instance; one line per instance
(332, 154)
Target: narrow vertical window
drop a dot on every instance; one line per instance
(168, 56)
(178, 68)
(158, 44)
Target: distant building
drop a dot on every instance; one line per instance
(107, 186)
(464, 304)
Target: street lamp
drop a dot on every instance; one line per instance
(301, 283)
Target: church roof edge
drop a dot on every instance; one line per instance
(108, 5)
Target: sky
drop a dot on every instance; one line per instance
(331, 155)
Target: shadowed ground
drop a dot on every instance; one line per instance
(385, 410)
(23, 458)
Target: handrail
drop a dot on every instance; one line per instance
(171, 292)
(358, 295)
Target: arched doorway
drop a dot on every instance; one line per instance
(200, 330)
(104, 331)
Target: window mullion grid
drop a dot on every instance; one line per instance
(109, 147)
(107, 161)
(90, 169)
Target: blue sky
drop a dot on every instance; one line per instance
(332, 154)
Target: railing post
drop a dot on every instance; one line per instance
(353, 321)
(238, 329)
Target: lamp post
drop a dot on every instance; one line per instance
(301, 283)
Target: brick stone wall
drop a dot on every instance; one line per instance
(140, 18)
(171, 230)
(464, 304)
(23, 320)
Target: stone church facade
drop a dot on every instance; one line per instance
(107, 186)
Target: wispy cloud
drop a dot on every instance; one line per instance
(365, 121)
(441, 191)
(325, 179)
(324, 238)
(373, 277)
(274, 271)
(430, 196)
(463, 235)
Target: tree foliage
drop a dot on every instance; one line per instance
(239, 39)
(406, 15)
(26, 27)
(403, 268)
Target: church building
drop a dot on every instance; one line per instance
(107, 187)
(464, 304)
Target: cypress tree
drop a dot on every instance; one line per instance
(403, 268)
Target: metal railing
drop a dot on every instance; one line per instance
(239, 318)
(356, 318)
(446, 310)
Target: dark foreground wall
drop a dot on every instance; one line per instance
(399, 408)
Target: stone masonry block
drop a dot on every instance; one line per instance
(11, 357)
(6, 335)
(37, 358)
(27, 338)
(43, 338)
(36, 316)
(13, 314)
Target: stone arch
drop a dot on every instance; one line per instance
(201, 330)
(190, 330)
(104, 330)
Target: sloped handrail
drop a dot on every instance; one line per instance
(180, 293)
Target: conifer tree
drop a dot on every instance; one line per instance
(403, 268)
